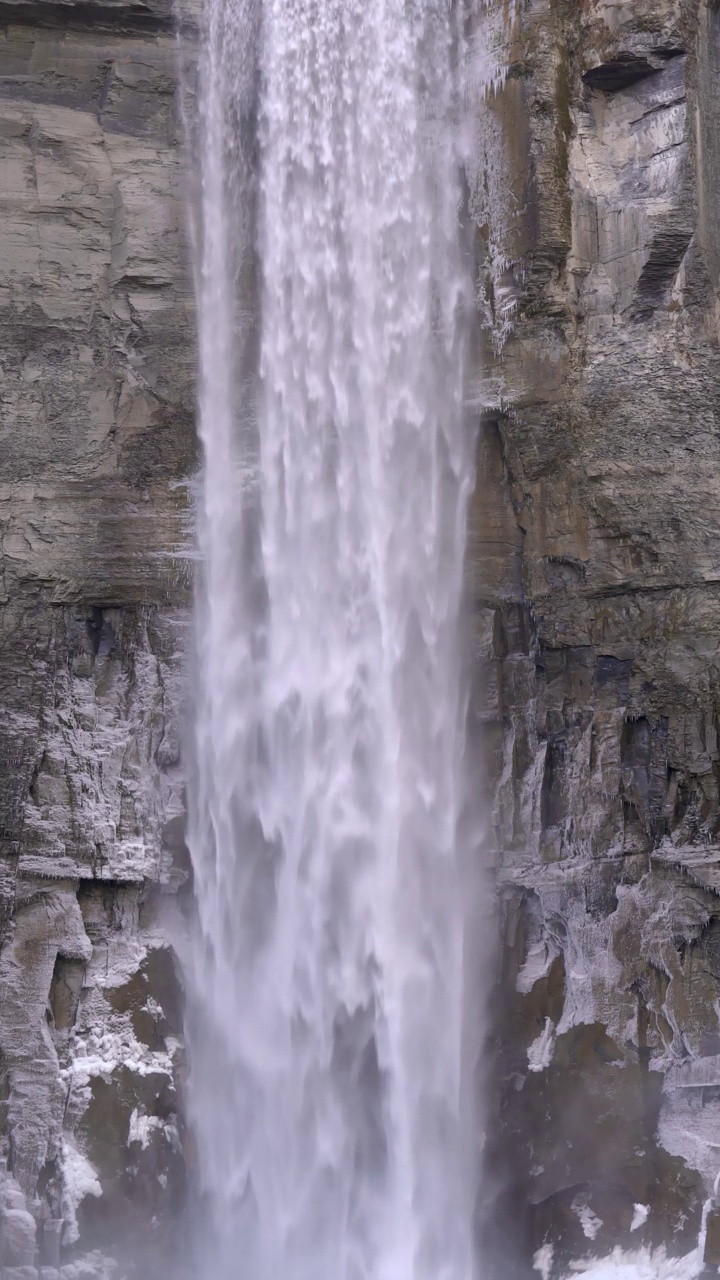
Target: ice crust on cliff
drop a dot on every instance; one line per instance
(79, 1180)
(588, 1220)
(541, 1050)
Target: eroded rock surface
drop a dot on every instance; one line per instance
(599, 622)
(97, 444)
(595, 561)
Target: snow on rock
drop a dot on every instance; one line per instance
(689, 1127)
(112, 1045)
(640, 1216)
(589, 1221)
(541, 1050)
(643, 1265)
(543, 1260)
(79, 1180)
(538, 964)
(90, 1266)
(141, 1128)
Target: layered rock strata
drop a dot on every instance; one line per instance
(597, 541)
(594, 561)
(96, 383)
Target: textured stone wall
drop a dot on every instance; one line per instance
(96, 444)
(595, 563)
(597, 530)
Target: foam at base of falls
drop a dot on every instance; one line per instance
(643, 1264)
(636, 1264)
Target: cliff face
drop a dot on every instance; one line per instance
(594, 556)
(97, 374)
(597, 532)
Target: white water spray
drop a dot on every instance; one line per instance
(331, 1089)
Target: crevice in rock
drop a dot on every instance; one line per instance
(127, 19)
(626, 69)
(64, 995)
(667, 251)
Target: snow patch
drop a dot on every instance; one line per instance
(540, 959)
(540, 1053)
(106, 1049)
(155, 1010)
(117, 964)
(141, 1128)
(643, 1265)
(589, 1221)
(640, 1216)
(543, 1260)
(89, 1266)
(689, 1127)
(79, 1180)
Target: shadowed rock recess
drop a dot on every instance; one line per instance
(595, 572)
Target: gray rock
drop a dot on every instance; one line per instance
(17, 1238)
(595, 542)
(599, 694)
(97, 390)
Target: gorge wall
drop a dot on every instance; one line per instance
(97, 434)
(598, 547)
(594, 560)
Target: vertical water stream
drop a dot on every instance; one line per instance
(330, 1089)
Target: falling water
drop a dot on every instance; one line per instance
(332, 843)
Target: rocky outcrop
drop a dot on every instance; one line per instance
(594, 559)
(97, 389)
(598, 518)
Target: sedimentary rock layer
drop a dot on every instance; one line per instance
(595, 183)
(97, 390)
(598, 546)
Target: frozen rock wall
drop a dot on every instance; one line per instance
(595, 565)
(97, 442)
(597, 530)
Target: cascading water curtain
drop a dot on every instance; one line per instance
(331, 1084)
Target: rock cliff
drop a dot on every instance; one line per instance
(597, 544)
(595, 570)
(97, 390)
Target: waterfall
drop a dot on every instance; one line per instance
(331, 831)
